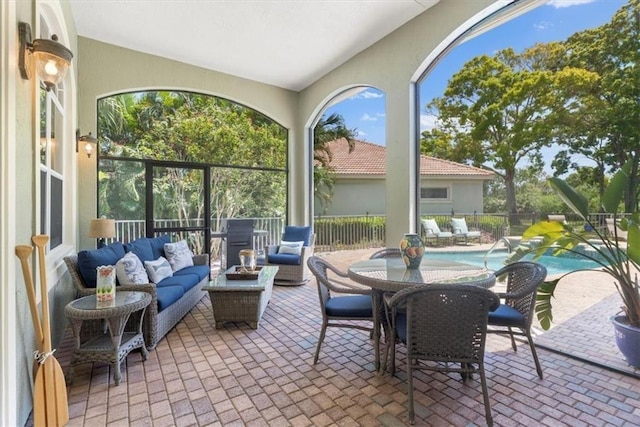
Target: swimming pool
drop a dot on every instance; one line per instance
(554, 264)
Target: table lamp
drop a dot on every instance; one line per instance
(101, 229)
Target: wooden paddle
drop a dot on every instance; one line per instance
(50, 386)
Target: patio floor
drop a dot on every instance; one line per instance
(239, 376)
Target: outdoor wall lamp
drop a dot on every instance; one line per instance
(52, 59)
(89, 139)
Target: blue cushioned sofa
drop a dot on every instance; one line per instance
(171, 299)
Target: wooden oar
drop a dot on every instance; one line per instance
(50, 383)
(23, 252)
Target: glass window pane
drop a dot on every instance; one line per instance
(57, 143)
(434, 193)
(43, 126)
(56, 213)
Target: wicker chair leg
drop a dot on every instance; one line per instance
(513, 340)
(323, 332)
(534, 353)
(485, 394)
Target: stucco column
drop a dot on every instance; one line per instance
(400, 187)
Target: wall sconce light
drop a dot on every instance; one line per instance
(52, 59)
(89, 139)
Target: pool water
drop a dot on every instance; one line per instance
(495, 261)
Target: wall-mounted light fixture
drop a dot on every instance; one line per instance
(89, 139)
(52, 59)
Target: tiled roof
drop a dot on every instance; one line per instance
(370, 159)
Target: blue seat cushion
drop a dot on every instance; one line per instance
(201, 271)
(293, 233)
(288, 259)
(187, 281)
(89, 260)
(167, 295)
(507, 316)
(401, 326)
(148, 249)
(350, 306)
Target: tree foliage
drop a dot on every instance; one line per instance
(244, 150)
(499, 110)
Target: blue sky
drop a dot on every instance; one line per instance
(553, 21)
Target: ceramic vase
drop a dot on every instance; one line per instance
(412, 249)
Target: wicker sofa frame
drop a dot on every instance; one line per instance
(156, 324)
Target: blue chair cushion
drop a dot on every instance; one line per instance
(148, 249)
(507, 316)
(288, 259)
(89, 260)
(167, 295)
(293, 233)
(350, 306)
(401, 326)
(201, 271)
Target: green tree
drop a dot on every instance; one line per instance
(328, 129)
(605, 128)
(499, 110)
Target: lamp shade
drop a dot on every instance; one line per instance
(102, 228)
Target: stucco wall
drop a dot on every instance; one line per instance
(393, 65)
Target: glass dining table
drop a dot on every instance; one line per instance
(391, 275)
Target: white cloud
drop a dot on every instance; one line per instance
(567, 3)
(360, 134)
(368, 94)
(381, 115)
(427, 122)
(542, 25)
(367, 118)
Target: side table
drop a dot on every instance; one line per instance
(114, 346)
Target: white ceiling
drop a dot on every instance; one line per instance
(287, 43)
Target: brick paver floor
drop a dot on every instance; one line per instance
(237, 376)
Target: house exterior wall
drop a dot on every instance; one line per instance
(367, 197)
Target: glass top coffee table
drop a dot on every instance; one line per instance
(241, 300)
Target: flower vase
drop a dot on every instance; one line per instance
(412, 249)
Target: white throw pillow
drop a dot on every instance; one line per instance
(130, 271)
(158, 269)
(292, 248)
(178, 254)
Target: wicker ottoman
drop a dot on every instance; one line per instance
(240, 300)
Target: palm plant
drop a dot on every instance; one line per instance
(621, 263)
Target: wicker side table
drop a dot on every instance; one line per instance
(110, 346)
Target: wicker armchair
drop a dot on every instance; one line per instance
(386, 253)
(446, 324)
(156, 324)
(292, 269)
(356, 305)
(515, 315)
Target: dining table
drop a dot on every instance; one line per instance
(391, 275)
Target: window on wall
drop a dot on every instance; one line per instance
(434, 193)
(52, 130)
(178, 160)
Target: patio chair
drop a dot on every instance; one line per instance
(444, 324)
(513, 317)
(291, 255)
(432, 231)
(386, 253)
(355, 304)
(461, 231)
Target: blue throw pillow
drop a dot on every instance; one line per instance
(89, 260)
(148, 249)
(293, 233)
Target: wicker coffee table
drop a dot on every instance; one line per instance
(240, 300)
(94, 344)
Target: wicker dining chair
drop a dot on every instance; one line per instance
(386, 253)
(355, 303)
(514, 316)
(446, 324)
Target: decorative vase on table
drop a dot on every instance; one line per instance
(412, 249)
